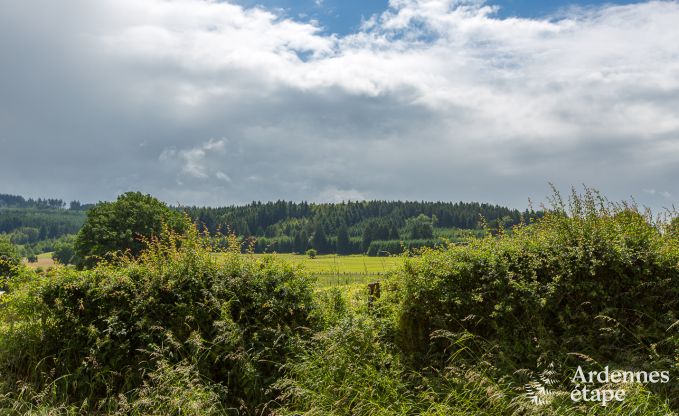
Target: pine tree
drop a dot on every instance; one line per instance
(343, 243)
(319, 240)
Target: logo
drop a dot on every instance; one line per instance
(614, 381)
(602, 387)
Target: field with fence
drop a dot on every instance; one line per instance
(333, 270)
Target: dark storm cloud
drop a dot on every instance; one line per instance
(209, 103)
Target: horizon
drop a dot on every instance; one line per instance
(171, 205)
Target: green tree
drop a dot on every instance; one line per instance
(370, 233)
(393, 232)
(123, 225)
(319, 241)
(343, 243)
(420, 227)
(64, 253)
(9, 258)
(311, 253)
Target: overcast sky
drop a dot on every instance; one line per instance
(212, 103)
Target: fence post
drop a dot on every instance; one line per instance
(373, 292)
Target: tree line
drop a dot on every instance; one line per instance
(348, 227)
(18, 201)
(373, 227)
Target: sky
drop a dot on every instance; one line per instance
(224, 102)
(344, 17)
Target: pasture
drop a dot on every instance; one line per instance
(335, 270)
(44, 261)
(329, 269)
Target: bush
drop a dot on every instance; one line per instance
(144, 327)
(673, 227)
(311, 253)
(64, 253)
(9, 259)
(598, 280)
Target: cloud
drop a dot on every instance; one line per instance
(333, 194)
(664, 194)
(194, 162)
(432, 99)
(222, 176)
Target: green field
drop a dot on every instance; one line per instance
(44, 261)
(330, 269)
(334, 270)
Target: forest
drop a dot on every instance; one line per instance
(365, 227)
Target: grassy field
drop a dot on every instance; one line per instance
(334, 270)
(330, 269)
(44, 261)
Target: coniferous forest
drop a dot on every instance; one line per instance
(365, 227)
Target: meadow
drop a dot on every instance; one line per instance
(328, 269)
(335, 270)
(44, 261)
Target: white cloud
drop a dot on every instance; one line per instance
(436, 99)
(194, 162)
(332, 194)
(664, 194)
(222, 176)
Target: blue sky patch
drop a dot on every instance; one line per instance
(345, 16)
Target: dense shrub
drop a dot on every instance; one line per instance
(9, 259)
(353, 367)
(673, 228)
(64, 252)
(174, 322)
(598, 280)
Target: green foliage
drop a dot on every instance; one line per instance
(64, 252)
(420, 227)
(596, 279)
(458, 330)
(124, 226)
(312, 253)
(172, 329)
(282, 227)
(343, 243)
(673, 227)
(286, 218)
(345, 228)
(353, 367)
(392, 247)
(9, 259)
(30, 225)
(319, 240)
